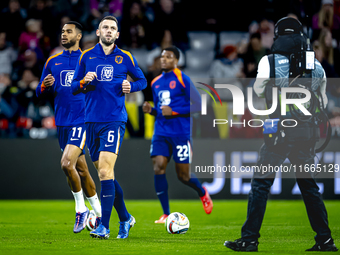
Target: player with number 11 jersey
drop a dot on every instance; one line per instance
(56, 78)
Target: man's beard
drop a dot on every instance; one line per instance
(166, 69)
(69, 44)
(107, 42)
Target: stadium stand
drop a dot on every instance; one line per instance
(201, 39)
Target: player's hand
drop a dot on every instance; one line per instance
(147, 107)
(49, 80)
(90, 76)
(166, 110)
(126, 86)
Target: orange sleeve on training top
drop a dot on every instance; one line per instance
(178, 74)
(43, 87)
(82, 82)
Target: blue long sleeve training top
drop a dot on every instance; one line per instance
(69, 109)
(175, 90)
(104, 99)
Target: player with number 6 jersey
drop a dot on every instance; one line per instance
(101, 74)
(56, 78)
(174, 97)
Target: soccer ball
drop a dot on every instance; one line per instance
(177, 223)
(91, 221)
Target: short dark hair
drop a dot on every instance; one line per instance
(78, 25)
(109, 18)
(174, 49)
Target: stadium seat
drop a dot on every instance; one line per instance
(4, 124)
(48, 123)
(232, 37)
(197, 60)
(202, 40)
(197, 76)
(23, 122)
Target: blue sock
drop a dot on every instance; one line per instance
(195, 184)
(119, 203)
(107, 195)
(161, 186)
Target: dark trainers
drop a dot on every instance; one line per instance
(326, 246)
(241, 245)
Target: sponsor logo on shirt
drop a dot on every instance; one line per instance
(283, 61)
(104, 72)
(66, 77)
(164, 97)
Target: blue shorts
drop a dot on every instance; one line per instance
(179, 147)
(104, 136)
(75, 135)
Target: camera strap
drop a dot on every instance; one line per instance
(269, 91)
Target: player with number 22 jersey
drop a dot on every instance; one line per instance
(174, 97)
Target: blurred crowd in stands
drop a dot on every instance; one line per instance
(217, 39)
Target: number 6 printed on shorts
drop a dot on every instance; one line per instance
(111, 139)
(110, 136)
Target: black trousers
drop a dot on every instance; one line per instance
(299, 154)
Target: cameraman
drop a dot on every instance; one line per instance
(297, 144)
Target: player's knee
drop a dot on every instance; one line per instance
(82, 171)
(66, 165)
(81, 166)
(83, 174)
(105, 174)
(158, 169)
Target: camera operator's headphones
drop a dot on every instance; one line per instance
(287, 26)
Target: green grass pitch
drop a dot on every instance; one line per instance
(45, 227)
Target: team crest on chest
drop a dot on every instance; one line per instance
(172, 84)
(104, 72)
(66, 77)
(119, 59)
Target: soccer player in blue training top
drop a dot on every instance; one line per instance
(101, 74)
(69, 116)
(174, 95)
